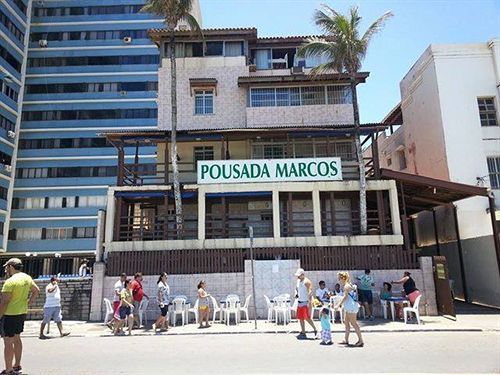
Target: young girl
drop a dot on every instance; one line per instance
(326, 329)
(164, 301)
(126, 309)
(203, 310)
(351, 308)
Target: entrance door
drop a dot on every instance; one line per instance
(444, 297)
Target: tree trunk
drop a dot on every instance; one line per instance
(363, 220)
(175, 167)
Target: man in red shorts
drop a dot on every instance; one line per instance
(305, 296)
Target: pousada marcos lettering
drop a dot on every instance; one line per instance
(236, 171)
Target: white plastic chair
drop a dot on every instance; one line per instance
(108, 316)
(234, 296)
(179, 308)
(143, 306)
(414, 309)
(232, 307)
(281, 307)
(318, 309)
(270, 309)
(245, 307)
(194, 310)
(384, 305)
(333, 302)
(216, 309)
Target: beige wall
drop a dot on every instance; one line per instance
(229, 101)
(300, 115)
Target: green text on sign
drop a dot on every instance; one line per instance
(274, 170)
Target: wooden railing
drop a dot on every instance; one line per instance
(232, 260)
(297, 224)
(159, 227)
(138, 174)
(347, 223)
(236, 225)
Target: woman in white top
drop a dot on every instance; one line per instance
(163, 301)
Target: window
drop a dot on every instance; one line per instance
(487, 111)
(339, 95)
(233, 49)
(389, 162)
(3, 192)
(11, 27)
(203, 153)
(28, 234)
(6, 124)
(58, 233)
(203, 102)
(214, 49)
(262, 97)
(11, 60)
(269, 151)
(304, 150)
(313, 95)
(86, 232)
(494, 169)
(55, 202)
(92, 201)
(193, 49)
(401, 159)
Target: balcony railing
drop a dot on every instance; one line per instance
(236, 225)
(156, 228)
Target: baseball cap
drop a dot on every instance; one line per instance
(300, 272)
(13, 262)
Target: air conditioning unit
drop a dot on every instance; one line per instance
(297, 70)
(183, 28)
(11, 134)
(123, 93)
(127, 40)
(7, 168)
(43, 43)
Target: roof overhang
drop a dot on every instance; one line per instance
(163, 35)
(422, 193)
(300, 79)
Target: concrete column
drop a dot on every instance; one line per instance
(96, 303)
(201, 213)
(110, 217)
(276, 214)
(101, 217)
(316, 212)
(393, 201)
(428, 302)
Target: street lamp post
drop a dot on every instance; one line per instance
(250, 233)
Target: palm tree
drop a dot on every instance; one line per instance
(345, 51)
(174, 12)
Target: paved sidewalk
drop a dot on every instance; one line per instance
(464, 323)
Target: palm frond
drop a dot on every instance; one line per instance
(376, 27)
(193, 24)
(329, 67)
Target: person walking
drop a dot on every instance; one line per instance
(118, 287)
(351, 308)
(203, 305)
(138, 294)
(164, 301)
(52, 308)
(18, 292)
(125, 311)
(304, 296)
(365, 292)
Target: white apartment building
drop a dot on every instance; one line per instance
(451, 131)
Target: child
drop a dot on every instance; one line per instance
(326, 331)
(386, 293)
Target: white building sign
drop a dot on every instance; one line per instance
(269, 170)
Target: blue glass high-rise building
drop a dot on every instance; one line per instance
(14, 36)
(85, 67)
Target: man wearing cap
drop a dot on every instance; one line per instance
(304, 296)
(52, 307)
(18, 291)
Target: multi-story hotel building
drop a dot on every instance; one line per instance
(449, 111)
(14, 37)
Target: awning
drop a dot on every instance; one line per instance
(422, 193)
(240, 194)
(184, 194)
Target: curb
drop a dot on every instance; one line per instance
(267, 332)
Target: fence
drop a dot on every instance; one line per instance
(232, 260)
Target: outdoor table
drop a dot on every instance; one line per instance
(392, 301)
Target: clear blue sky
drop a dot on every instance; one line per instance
(415, 25)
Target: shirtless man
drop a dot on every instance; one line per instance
(305, 296)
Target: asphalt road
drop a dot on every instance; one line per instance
(438, 352)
